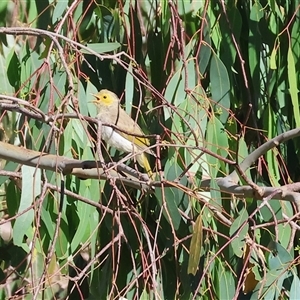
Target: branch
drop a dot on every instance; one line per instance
(285, 192)
(79, 168)
(252, 158)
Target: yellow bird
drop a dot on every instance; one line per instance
(110, 112)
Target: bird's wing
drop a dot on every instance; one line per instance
(125, 122)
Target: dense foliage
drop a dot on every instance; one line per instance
(211, 83)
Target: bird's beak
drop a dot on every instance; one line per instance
(95, 100)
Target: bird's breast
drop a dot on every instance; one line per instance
(114, 139)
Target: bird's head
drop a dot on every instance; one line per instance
(105, 98)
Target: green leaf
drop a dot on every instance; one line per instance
(243, 153)
(170, 211)
(5, 87)
(279, 258)
(59, 10)
(42, 14)
(3, 5)
(192, 6)
(31, 62)
(31, 14)
(239, 240)
(9, 166)
(226, 284)
(273, 65)
(172, 197)
(191, 78)
(284, 234)
(257, 12)
(292, 76)
(102, 47)
(83, 232)
(175, 93)
(215, 195)
(254, 48)
(156, 49)
(47, 220)
(205, 52)
(14, 70)
(60, 79)
(31, 188)
(129, 90)
(275, 209)
(220, 87)
(273, 166)
(295, 288)
(195, 246)
(64, 237)
(217, 142)
(90, 90)
(12, 192)
(85, 98)
(79, 134)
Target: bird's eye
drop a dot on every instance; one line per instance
(104, 97)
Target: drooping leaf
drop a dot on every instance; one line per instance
(196, 246)
(14, 70)
(238, 234)
(31, 188)
(220, 87)
(293, 85)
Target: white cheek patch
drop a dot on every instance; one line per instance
(115, 140)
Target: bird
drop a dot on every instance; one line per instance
(109, 112)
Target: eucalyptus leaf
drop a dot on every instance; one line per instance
(101, 47)
(31, 188)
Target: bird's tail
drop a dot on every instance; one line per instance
(144, 163)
